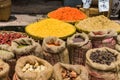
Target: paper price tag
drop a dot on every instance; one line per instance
(103, 5)
(86, 3)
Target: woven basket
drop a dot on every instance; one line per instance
(77, 54)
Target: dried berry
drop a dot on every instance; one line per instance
(103, 57)
(7, 37)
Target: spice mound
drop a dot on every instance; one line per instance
(103, 57)
(98, 23)
(50, 27)
(35, 68)
(67, 14)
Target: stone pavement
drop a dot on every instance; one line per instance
(21, 20)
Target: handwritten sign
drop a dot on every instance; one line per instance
(86, 3)
(103, 5)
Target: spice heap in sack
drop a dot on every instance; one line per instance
(8, 56)
(103, 38)
(6, 37)
(54, 50)
(102, 63)
(4, 70)
(69, 72)
(67, 14)
(78, 45)
(50, 27)
(32, 68)
(97, 23)
(25, 46)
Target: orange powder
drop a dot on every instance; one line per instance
(67, 14)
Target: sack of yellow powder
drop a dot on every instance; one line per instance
(69, 72)
(25, 46)
(8, 56)
(4, 70)
(78, 45)
(54, 50)
(32, 68)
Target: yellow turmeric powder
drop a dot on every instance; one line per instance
(50, 27)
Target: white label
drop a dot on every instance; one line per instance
(103, 5)
(86, 3)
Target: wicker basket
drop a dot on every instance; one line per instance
(77, 50)
(77, 54)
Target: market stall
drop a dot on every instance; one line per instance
(66, 43)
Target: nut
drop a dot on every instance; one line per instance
(36, 67)
(73, 74)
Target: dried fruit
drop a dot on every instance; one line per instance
(103, 57)
(69, 74)
(7, 36)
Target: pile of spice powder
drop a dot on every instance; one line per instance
(50, 27)
(67, 14)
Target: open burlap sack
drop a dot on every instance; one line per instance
(8, 56)
(30, 75)
(81, 71)
(4, 70)
(25, 46)
(54, 50)
(78, 49)
(99, 71)
(103, 38)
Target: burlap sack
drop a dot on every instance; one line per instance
(99, 71)
(25, 46)
(4, 70)
(82, 73)
(30, 75)
(117, 46)
(103, 38)
(54, 50)
(8, 56)
(5, 53)
(118, 39)
(77, 50)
